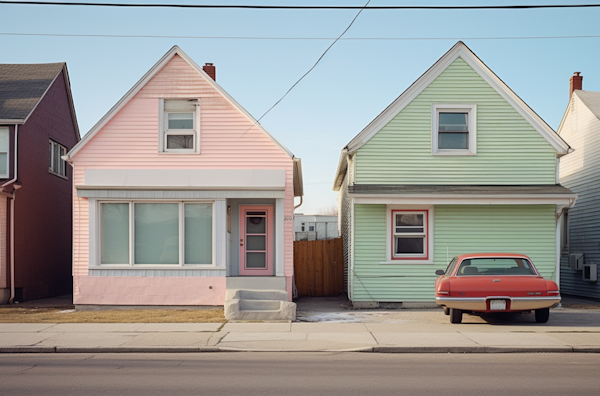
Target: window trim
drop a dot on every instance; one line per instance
(181, 228)
(471, 110)
(62, 163)
(164, 131)
(7, 131)
(390, 259)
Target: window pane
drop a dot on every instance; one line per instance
(198, 233)
(180, 141)
(495, 266)
(255, 225)
(156, 233)
(409, 229)
(409, 245)
(4, 142)
(63, 163)
(453, 122)
(255, 242)
(56, 158)
(50, 155)
(453, 140)
(114, 233)
(409, 219)
(4, 164)
(256, 260)
(181, 121)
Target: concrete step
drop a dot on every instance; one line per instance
(256, 283)
(260, 305)
(243, 294)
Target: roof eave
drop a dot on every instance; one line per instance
(341, 170)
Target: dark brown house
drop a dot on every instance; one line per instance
(37, 126)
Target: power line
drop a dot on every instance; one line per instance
(306, 7)
(316, 63)
(296, 38)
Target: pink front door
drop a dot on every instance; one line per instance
(256, 240)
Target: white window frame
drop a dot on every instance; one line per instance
(398, 260)
(471, 110)
(5, 134)
(131, 264)
(62, 172)
(164, 131)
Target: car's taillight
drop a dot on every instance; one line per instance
(553, 293)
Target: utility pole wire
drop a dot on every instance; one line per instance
(316, 63)
(307, 7)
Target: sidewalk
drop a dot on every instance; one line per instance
(408, 331)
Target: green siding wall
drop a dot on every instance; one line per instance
(509, 150)
(526, 229)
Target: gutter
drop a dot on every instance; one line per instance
(12, 219)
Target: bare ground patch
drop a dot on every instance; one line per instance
(54, 315)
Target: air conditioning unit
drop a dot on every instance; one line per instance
(576, 261)
(590, 272)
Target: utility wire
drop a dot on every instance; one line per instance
(306, 7)
(296, 38)
(316, 63)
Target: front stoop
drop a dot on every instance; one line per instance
(242, 304)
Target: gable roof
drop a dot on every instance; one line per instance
(591, 100)
(459, 50)
(23, 86)
(147, 77)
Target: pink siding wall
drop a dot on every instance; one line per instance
(4, 233)
(130, 140)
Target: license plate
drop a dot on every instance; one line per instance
(497, 305)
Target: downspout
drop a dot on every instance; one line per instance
(12, 222)
(297, 206)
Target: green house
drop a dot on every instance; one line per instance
(456, 164)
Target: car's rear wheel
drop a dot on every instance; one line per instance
(455, 315)
(542, 315)
(446, 311)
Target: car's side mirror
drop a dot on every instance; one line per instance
(440, 272)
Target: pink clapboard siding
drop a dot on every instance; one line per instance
(228, 140)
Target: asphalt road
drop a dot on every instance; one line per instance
(300, 374)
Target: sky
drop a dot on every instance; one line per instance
(354, 82)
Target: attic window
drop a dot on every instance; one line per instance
(179, 126)
(453, 129)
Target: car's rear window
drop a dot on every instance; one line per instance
(495, 266)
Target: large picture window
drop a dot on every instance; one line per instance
(149, 233)
(409, 234)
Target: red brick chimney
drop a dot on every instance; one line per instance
(212, 71)
(576, 83)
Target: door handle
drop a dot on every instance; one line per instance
(241, 242)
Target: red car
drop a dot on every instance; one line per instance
(494, 282)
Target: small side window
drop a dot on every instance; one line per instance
(4, 153)
(57, 165)
(453, 129)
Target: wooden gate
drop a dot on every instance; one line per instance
(319, 267)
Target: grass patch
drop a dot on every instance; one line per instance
(54, 315)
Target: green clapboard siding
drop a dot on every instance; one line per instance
(509, 149)
(526, 229)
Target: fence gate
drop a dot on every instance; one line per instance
(319, 267)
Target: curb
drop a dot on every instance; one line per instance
(367, 349)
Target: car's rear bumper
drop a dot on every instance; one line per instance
(481, 303)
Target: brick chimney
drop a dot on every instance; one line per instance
(211, 70)
(576, 83)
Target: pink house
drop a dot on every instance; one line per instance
(182, 197)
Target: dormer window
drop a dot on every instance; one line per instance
(453, 129)
(180, 126)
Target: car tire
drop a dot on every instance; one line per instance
(542, 315)
(455, 315)
(446, 311)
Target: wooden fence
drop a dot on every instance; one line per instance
(319, 267)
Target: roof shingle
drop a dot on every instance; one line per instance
(22, 86)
